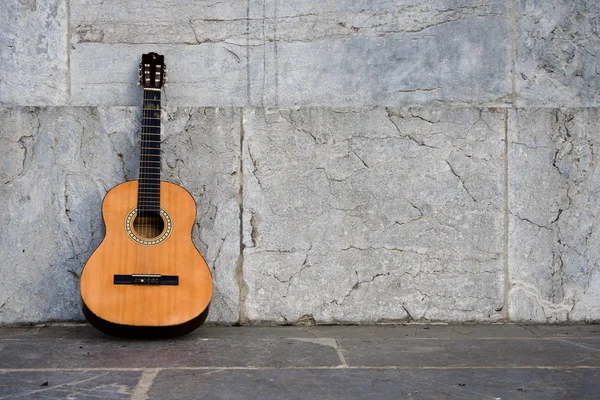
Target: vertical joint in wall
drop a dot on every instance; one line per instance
(507, 121)
(513, 52)
(68, 12)
(239, 272)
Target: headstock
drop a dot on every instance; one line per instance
(152, 72)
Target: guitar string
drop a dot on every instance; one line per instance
(150, 222)
(150, 217)
(143, 182)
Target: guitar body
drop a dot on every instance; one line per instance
(117, 296)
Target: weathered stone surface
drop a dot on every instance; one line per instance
(384, 53)
(104, 74)
(122, 353)
(33, 53)
(375, 214)
(270, 53)
(364, 383)
(51, 205)
(165, 22)
(333, 362)
(57, 165)
(68, 384)
(558, 53)
(554, 206)
(469, 352)
(202, 153)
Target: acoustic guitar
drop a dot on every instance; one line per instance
(147, 279)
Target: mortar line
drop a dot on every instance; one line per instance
(68, 11)
(145, 383)
(243, 314)
(506, 220)
(338, 350)
(248, 93)
(294, 368)
(394, 339)
(513, 50)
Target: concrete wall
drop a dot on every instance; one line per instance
(352, 161)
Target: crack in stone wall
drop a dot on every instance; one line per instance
(553, 208)
(341, 241)
(62, 162)
(557, 53)
(270, 53)
(395, 179)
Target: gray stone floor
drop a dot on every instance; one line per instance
(317, 362)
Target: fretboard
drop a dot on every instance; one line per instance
(149, 177)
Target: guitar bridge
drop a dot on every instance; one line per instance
(146, 279)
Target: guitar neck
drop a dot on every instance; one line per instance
(150, 163)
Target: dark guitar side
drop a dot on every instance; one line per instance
(146, 310)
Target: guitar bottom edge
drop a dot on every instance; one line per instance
(146, 332)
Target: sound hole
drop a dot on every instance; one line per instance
(148, 225)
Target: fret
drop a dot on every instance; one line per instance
(150, 157)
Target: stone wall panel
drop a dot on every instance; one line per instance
(554, 205)
(373, 215)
